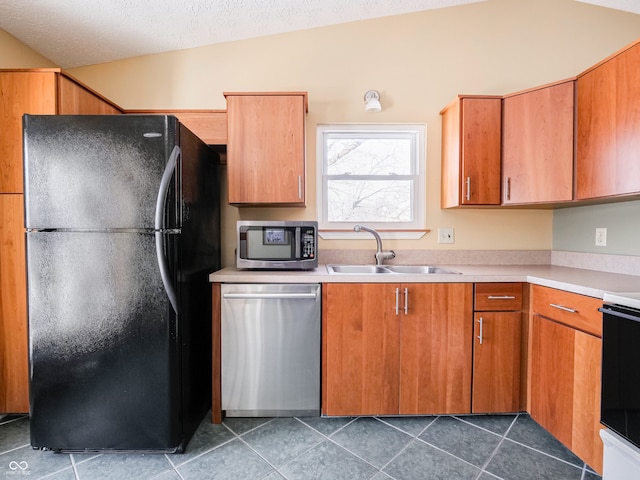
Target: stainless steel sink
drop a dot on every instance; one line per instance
(389, 269)
(419, 269)
(357, 269)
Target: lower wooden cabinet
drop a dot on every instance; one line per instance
(14, 358)
(497, 348)
(565, 370)
(397, 348)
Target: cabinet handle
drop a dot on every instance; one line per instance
(406, 301)
(300, 187)
(501, 297)
(397, 301)
(468, 182)
(507, 188)
(479, 337)
(566, 309)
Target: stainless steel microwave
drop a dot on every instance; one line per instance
(277, 245)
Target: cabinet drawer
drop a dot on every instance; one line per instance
(577, 311)
(492, 297)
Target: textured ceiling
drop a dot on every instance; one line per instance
(74, 33)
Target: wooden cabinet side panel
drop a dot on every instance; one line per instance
(361, 350)
(20, 93)
(538, 142)
(552, 366)
(74, 99)
(481, 150)
(266, 149)
(435, 365)
(14, 373)
(216, 354)
(496, 362)
(451, 174)
(586, 441)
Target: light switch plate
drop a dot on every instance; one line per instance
(445, 235)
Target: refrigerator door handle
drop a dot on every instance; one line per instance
(163, 264)
(161, 201)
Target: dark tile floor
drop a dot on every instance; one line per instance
(376, 448)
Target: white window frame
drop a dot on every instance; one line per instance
(399, 230)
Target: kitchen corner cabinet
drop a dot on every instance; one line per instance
(266, 148)
(537, 145)
(566, 331)
(497, 347)
(471, 151)
(392, 349)
(608, 122)
(210, 126)
(38, 91)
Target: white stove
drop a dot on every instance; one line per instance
(620, 389)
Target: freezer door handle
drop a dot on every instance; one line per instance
(163, 264)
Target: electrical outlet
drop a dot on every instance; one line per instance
(445, 235)
(601, 237)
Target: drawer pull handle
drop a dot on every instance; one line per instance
(566, 309)
(501, 297)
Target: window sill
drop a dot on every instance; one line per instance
(351, 235)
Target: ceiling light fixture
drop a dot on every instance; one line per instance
(372, 101)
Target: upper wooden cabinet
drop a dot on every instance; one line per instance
(266, 148)
(37, 92)
(608, 127)
(537, 145)
(209, 125)
(471, 143)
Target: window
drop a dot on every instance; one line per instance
(371, 174)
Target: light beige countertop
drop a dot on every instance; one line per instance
(585, 282)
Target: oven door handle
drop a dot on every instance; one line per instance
(609, 311)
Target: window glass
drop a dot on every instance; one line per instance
(371, 174)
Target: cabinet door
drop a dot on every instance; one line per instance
(552, 363)
(538, 145)
(361, 342)
(20, 92)
(74, 99)
(565, 387)
(435, 352)
(496, 362)
(471, 134)
(266, 149)
(608, 119)
(14, 376)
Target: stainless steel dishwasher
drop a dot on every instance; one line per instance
(271, 350)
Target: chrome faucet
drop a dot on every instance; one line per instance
(381, 255)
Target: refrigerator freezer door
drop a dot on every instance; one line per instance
(103, 344)
(97, 172)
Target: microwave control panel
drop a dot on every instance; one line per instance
(308, 242)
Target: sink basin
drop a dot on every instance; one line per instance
(357, 269)
(376, 269)
(420, 269)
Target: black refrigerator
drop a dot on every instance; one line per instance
(122, 230)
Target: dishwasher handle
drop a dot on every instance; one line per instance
(271, 296)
